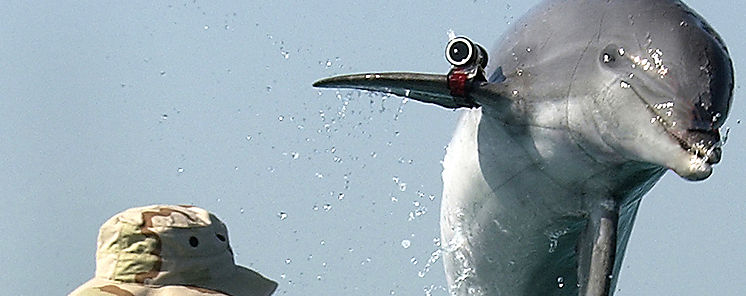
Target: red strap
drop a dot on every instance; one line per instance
(457, 83)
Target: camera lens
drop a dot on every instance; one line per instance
(459, 51)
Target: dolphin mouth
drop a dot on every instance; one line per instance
(703, 144)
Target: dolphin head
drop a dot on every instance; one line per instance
(650, 81)
(637, 80)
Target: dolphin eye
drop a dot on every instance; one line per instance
(609, 56)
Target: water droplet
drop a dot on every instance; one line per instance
(451, 34)
(406, 243)
(241, 210)
(318, 277)
(528, 49)
(180, 170)
(206, 27)
(282, 215)
(323, 243)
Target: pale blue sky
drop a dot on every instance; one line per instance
(109, 106)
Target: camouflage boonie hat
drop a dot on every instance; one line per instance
(169, 250)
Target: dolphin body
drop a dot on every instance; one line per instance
(588, 103)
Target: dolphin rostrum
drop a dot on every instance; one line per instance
(584, 106)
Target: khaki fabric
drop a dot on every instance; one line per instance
(169, 250)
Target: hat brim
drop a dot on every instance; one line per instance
(242, 282)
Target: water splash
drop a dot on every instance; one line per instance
(554, 238)
(434, 257)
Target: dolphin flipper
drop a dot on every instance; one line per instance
(597, 246)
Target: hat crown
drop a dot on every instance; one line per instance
(163, 245)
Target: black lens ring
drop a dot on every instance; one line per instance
(457, 58)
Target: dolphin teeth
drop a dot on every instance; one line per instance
(714, 155)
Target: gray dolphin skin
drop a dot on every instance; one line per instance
(582, 107)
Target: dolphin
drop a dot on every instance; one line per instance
(582, 108)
